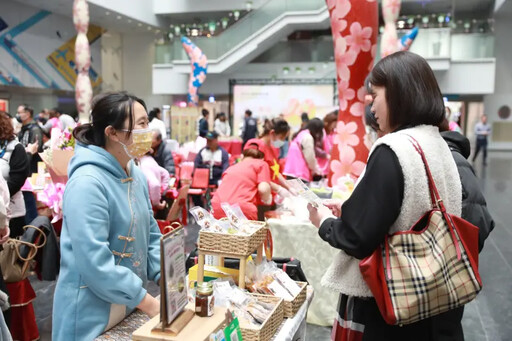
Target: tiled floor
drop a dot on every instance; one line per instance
(488, 318)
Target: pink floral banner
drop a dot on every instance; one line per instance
(354, 27)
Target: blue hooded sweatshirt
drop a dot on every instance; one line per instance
(110, 245)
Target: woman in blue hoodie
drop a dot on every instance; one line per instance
(110, 240)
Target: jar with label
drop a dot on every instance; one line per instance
(204, 299)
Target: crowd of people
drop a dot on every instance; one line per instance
(123, 163)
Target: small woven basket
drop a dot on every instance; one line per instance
(291, 307)
(233, 244)
(268, 328)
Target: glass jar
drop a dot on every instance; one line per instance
(204, 299)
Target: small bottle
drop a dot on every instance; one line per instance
(204, 299)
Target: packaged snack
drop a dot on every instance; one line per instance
(299, 188)
(267, 278)
(208, 222)
(240, 302)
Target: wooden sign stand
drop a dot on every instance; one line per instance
(177, 325)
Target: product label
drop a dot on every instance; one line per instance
(211, 304)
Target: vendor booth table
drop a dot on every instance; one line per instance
(292, 329)
(301, 240)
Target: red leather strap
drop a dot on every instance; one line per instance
(434, 194)
(388, 262)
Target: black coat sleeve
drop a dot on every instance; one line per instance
(19, 169)
(373, 207)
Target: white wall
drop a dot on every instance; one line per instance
(138, 58)
(463, 78)
(503, 88)
(112, 61)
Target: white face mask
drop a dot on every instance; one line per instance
(141, 144)
(278, 143)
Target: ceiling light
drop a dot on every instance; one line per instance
(212, 26)
(211, 99)
(410, 21)
(224, 22)
(401, 24)
(236, 14)
(248, 5)
(170, 35)
(177, 30)
(440, 19)
(286, 70)
(194, 32)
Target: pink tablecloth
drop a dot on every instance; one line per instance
(233, 147)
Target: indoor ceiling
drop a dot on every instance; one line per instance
(99, 16)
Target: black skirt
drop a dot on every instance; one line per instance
(359, 319)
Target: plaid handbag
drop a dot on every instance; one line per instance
(430, 269)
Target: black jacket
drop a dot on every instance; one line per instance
(31, 133)
(474, 207)
(203, 127)
(250, 129)
(163, 156)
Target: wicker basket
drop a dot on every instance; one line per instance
(291, 307)
(232, 244)
(268, 329)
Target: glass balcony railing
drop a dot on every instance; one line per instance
(251, 24)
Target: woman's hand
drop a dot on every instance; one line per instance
(334, 205)
(317, 215)
(149, 305)
(32, 148)
(160, 206)
(283, 192)
(4, 235)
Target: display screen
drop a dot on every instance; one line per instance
(269, 101)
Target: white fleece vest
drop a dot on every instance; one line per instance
(343, 275)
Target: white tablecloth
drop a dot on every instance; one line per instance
(301, 240)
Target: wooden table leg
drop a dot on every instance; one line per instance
(241, 276)
(259, 254)
(221, 261)
(200, 268)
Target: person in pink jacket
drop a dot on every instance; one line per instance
(323, 148)
(301, 162)
(158, 180)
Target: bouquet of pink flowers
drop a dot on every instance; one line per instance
(65, 140)
(59, 154)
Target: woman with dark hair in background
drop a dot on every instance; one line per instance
(14, 166)
(323, 148)
(155, 122)
(110, 242)
(275, 133)
(391, 196)
(301, 162)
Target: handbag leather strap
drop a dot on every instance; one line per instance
(39, 245)
(434, 195)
